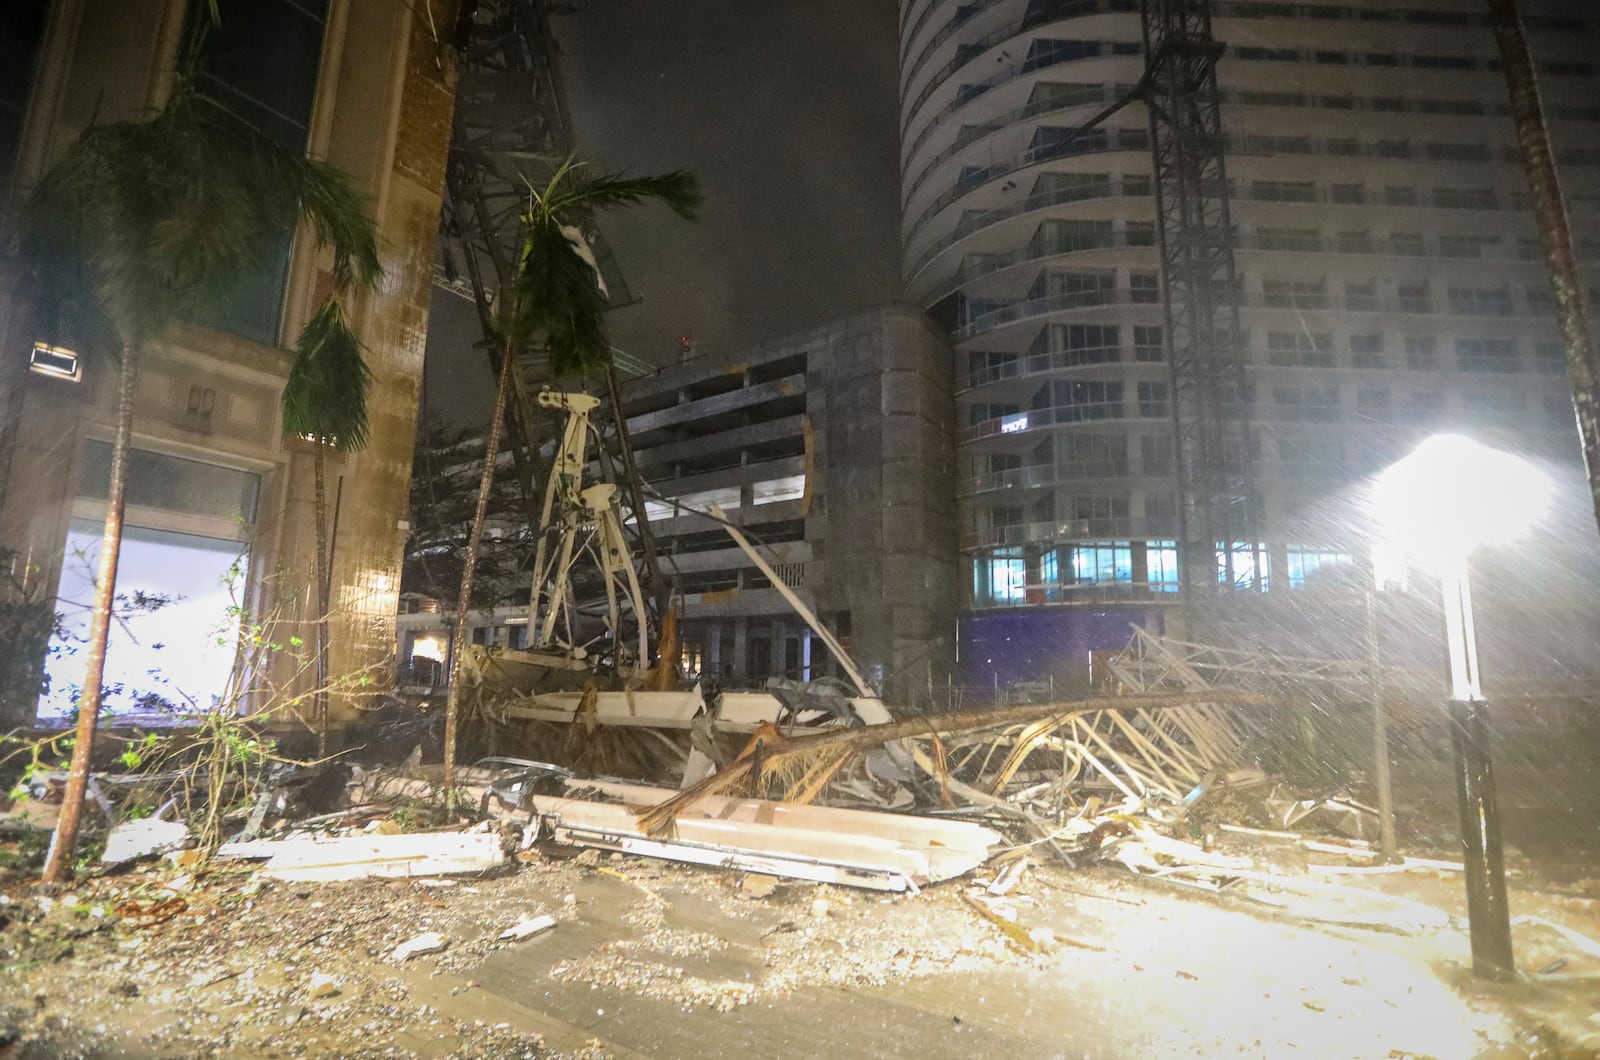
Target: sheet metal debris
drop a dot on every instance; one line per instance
(318, 859)
(858, 848)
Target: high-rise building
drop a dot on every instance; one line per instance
(1391, 281)
(220, 501)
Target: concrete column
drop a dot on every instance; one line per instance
(741, 648)
(780, 649)
(712, 662)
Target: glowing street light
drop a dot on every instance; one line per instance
(1448, 497)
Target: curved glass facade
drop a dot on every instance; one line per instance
(1391, 278)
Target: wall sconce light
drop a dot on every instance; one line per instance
(58, 362)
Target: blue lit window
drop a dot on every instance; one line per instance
(1244, 564)
(1161, 566)
(1304, 562)
(1102, 562)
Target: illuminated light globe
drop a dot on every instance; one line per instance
(1452, 494)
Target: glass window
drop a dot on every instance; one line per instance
(1102, 562)
(172, 484)
(1499, 408)
(1155, 454)
(1366, 351)
(1245, 560)
(1144, 287)
(1362, 297)
(1161, 566)
(178, 653)
(262, 60)
(1549, 358)
(1304, 562)
(1487, 355)
(1148, 343)
(1413, 298)
(1153, 400)
(1297, 349)
(1480, 301)
(1408, 243)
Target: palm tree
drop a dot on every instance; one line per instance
(557, 306)
(325, 400)
(142, 223)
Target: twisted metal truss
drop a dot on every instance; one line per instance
(511, 127)
(1219, 546)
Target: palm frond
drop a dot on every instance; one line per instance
(557, 298)
(325, 397)
(160, 219)
(678, 190)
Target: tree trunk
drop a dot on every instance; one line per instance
(1550, 214)
(58, 865)
(322, 592)
(469, 568)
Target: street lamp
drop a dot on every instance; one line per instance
(1446, 498)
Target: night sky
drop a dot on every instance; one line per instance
(787, 112)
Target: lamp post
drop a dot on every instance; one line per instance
(1438, 504)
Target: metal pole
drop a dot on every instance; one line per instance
(1487, 910)
(1380, 734)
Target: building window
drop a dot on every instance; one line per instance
(1361, 297)
(1307, 403)
(1148, 343)
(1000, 577)
(1144, 288)
(1301, 563)
(1077, 344)
(1409, 244)
(1161, 566)
(1468, 246)
(1160, 509)
(1480, 301)
(1307, 239)
(1297, 349)
(1426, 407)
(1283, 191)
(1309, 449)
(1080, 288)
(1549, 358)
(1349, 193)
(1243, 559)
(1373, 406)
(1297, 294)
(1153, 400)
(1558, 412)
(1086, 399)
(1422, 353)
(262, 60)
(1400, 195)
(185, 541)
(1155, 454)
(1413, 298)
(1487, 355)
(1465, 198)
(1096, 455)
(1366, 351)
(1499, 408)
(1102, 562)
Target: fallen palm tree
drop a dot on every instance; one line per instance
(1184, 734)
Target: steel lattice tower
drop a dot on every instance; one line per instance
(511, 124)
(1218, 546)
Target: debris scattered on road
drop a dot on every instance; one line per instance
(527, 928)
(419, 945)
